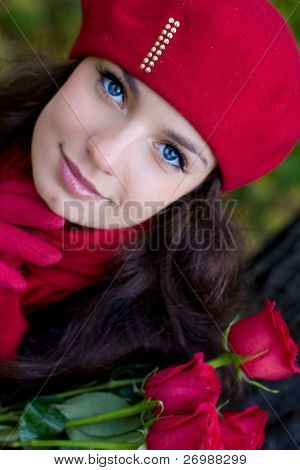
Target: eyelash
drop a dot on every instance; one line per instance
(105, 73)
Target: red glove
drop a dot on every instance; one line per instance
(21, 205)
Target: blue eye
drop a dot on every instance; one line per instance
(116, 89)
(174, 155)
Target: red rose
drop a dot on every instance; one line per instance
(182, 388)
(265, 330)
(243, 430)
(196, 431)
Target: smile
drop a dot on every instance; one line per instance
(74, 181)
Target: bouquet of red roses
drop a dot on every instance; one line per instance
(175, 408)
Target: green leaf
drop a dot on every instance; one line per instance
(76, 434)
(107, 429)
(40, 420)
(94, 403)
(90, 404)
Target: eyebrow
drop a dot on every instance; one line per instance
(171, 134)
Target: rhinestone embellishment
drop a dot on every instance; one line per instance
(160, 45)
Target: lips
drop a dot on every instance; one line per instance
(75, 182)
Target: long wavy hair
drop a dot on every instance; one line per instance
(158, 303)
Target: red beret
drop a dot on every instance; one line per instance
(230, 67)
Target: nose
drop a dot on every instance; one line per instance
(110, 153)
(98, 151)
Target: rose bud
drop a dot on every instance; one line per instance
(243, 430)
(196, 431)
(266, 330)
(182, 388)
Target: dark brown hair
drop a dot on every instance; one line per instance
(159, 302)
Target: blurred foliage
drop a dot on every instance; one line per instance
(42, 25)
(264, 207)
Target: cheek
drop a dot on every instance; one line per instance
(152, 189)
(72, 110)
(42, 128)
(146, 180)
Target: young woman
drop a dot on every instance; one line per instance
(115, 245)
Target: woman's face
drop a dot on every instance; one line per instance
(119, 144)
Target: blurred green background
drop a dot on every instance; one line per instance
(264, 207)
